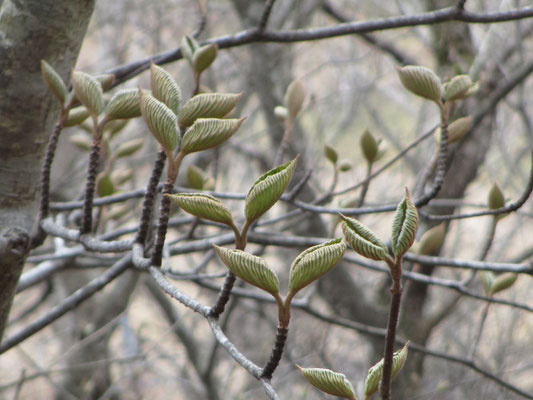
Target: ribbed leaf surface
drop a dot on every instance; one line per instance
(329, 382)
(363, 240)
(457, 88)
(165, 88)
(88, 91)
(206, 133)
(421, 81)
(203, 206)
(314, 262)
(124, 104)
(267, 190)
(160, 120)
(249, 268)
(207, 105)
(54, 81)
(376, 372)
(404, 226)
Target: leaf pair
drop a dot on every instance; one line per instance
(199, 57)
(493, 284)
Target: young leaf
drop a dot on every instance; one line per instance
(121, 176)
(369, 146)
(105, 186)
(376, 372)
(404, 226)
(188, 47)
(329, 382)
(294, 97)
(457, 129)
(345, 165)
(250, 268)
(203, 206)
(331, 154)
(267, 190)
(160, 120)
(54, 82)
(421, 81)
(204, 56)
(165, 88)
(457, 88)
(314, 262)
(495, 198)
(206, 133)
(363, 240)
(207, 105)
(105, 81)
(123, 105)
(432, 240)
(88, 91)
(196, 178)
(128, 148)
(81, 141)
(502, 282)
(487, 280)
(76, 116)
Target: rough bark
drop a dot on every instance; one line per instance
(30, 30)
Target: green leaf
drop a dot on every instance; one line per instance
(203, 206)
(121, 176)
(345, 165)
(456, 130)
(487, 279)
(432, 240)
(376, 372)
(188, 47)
(502, 282)
(161, 121)
(204, 56)
(105, 81)
(165, 88)
(196, 178)
(404, 226)
(128, 148)
(314, 262)
(250, 268)
(105, 186)
(363, 240)
(54, 82)
(88, 91)
(124, 104)
(267, 190)
(457, 88)
(331, 154)
(81, 141)
(206, 133)
(329, 382)
(207, 105)
(294, 97)
(421, 81)
(369, 147)
(76, 116)
(496, 199)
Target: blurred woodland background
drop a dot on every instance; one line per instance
(132, 341)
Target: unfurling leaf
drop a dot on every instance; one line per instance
(363, 240)
(421, 81)
(432, 240)
(88, 91)
(207, 105)
(160, 120)
(105, 186)
(404, 226)
(457, 88)
(204, 56)
(329, 382)
(331, 154)
(487, 279)
(128, 148)
(250, 268)
(376, 372)
(123, 105)
(81, 141)
(502, 282)
(54, 82)
(196, 178)
(267, 190)
(76, 116)
(294, 98)
(369, 146)
(106, 81)
(203, 206)
(314, 262)
(456, 130)
(206, 133)
(188, 47)
(165, 88)
(495, 198)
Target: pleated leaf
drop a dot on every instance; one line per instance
(421, 81)
(502, 282)
(404, 226)
(203, 206)
(457, 88)
(207, 105)
(124, 104)
(369, 146)
(206, 133)
(54, 81)
(76, 116)
(160, 120)
(495, 198)
(314, 262)
(204, 56)
(128, 148)
(267, 190)
(363, 240)
(329, 382)
(376, 372)
(88, 91)
(250, 268)
(294, 97)
(165, 88)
